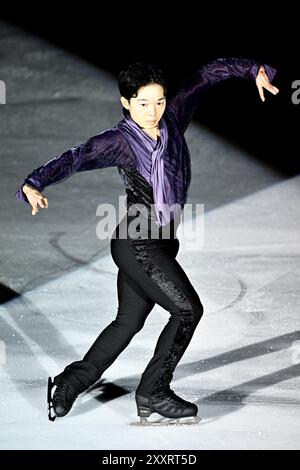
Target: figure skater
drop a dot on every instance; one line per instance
(149, 149)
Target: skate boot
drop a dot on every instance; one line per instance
(177, 410)
(63, 398)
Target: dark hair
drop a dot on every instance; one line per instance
(137, 75)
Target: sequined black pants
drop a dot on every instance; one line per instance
(148, 274)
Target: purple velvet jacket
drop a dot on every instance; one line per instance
(110, 147)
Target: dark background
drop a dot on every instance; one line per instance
(181, 38)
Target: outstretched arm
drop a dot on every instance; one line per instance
(185, 102)
(101, 151)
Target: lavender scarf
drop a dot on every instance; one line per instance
(150, 163)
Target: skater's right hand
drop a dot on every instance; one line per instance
(35, 198)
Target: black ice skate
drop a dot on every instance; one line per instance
(177, 410)
(63, 398)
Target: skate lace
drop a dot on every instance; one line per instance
(175, 397)
(64, 392)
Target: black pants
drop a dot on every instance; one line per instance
(148, 274)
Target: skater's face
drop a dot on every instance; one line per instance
(147, 108)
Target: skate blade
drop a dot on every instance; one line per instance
(168, 421)
(51, 414)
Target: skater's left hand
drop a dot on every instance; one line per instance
(262, 81)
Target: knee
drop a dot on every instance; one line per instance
(130, 328)
(197, 311)
(192, 313)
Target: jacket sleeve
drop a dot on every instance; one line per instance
(107, 149)
(184, 103)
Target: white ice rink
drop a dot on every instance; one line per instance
(242, 367)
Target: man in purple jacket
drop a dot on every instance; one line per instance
(150, 151)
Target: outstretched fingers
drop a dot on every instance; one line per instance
(262, 81)
(42, 202)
